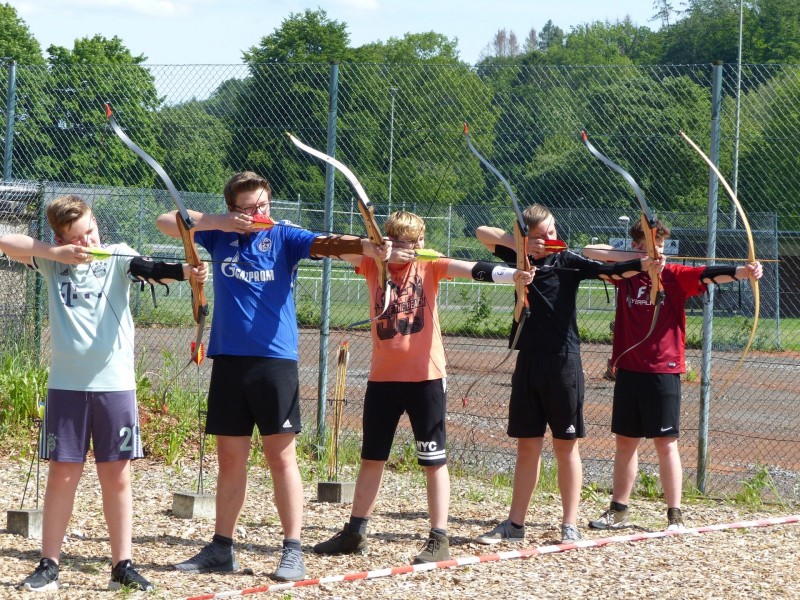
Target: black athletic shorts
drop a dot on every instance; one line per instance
(250, 390)
(426, 405)
(646, 404)
(547, 389)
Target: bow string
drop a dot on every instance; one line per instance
(751, 247)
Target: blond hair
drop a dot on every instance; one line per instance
(402, 224)
(536, 214)
(64, 211)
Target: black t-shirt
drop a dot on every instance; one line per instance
(552, 327)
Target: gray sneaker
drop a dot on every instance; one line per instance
(213, 558)
(291, 567)
(343, 542)
(612, 519)
(436, 549)
(504, 532)
(674, 519)
(43, 579)
(570, 533)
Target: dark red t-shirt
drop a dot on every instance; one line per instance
(663, 350)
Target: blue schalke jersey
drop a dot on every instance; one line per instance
(254, 275)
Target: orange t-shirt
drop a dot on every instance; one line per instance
(407, 339)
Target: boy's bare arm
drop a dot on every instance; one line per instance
(606, 253)
(231, 222)
(494, 236)
(24, 248)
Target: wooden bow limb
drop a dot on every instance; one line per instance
(751, 247)
(367, 210)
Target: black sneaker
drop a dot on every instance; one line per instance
(43, 579)
(125, 576)
(343, 542)
(213, 558)
(436, 549)
(674, 519)
(291, 567)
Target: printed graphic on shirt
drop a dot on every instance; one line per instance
(230, 268)
(641, 295)
(406, 312)
(71, 290)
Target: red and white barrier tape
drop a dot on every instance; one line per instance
(471, 560)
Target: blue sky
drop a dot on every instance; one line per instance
(217, 31)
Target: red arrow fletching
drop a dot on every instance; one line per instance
(554, 246)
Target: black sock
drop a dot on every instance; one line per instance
(515, 526)
(222, 540)
(618, 506)
(358, 525)
(439, 531)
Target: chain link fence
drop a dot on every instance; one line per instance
(399, 128)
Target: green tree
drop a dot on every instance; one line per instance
(195, 147)
(16, 41)
(606, 44)
(706, 33)
(304, 37)
(779, 27)
(769, 166)
(80, 81)
(550, 36)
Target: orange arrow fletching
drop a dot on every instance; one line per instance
(262, 222)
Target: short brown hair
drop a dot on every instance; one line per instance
(246, 181)
(404, 224)
(637, 233)
(64, 211)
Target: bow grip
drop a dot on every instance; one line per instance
(199, 302)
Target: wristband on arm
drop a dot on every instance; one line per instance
(487, 272)
(146, 269)
(710, 274)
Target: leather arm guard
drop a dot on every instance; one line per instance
(335, 245)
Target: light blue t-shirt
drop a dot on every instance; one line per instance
(254, 312)
(91, 327)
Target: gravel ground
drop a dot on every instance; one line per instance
(745, 563)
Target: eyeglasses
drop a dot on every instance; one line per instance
(261, 207)
(408, 243)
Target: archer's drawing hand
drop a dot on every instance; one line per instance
(236, 222)
(72, 254)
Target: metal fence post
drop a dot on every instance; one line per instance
(708, 306)
(8, 149)
(324, 325)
